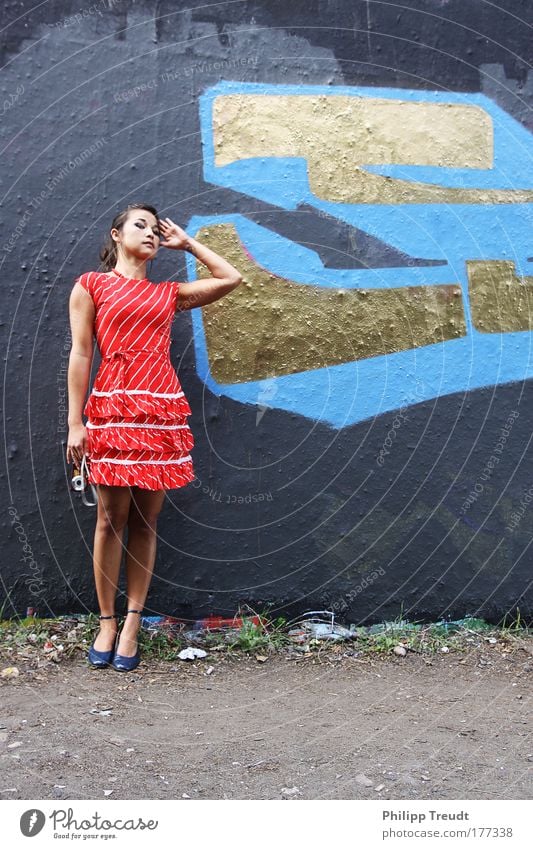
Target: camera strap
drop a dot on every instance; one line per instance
(84, 471)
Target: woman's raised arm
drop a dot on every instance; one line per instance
(200, 292)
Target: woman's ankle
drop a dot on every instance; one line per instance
(111, 625)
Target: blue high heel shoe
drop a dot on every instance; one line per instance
(126, 664)
(101, 659)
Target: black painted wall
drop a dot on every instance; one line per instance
(328, 533)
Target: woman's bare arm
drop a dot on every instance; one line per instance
(200, 292)
(82, 314)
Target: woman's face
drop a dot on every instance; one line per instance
(139, 234)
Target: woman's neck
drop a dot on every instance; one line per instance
(131, 268)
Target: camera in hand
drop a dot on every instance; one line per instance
(78, 481)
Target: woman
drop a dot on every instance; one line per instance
(137, 439)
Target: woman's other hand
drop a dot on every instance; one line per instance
(76, 443)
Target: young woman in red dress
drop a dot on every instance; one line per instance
(136, 440)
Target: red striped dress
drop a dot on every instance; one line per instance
(137, 430)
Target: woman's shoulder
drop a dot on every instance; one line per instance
(90, 280)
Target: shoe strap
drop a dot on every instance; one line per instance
(134, 611)
(113, 616)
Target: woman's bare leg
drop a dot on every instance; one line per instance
(113, 508)
(140, 559)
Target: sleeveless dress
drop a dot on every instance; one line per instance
(137, 430)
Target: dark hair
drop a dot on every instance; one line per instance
(108, 252)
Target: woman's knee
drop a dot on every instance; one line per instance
(113, 508)
(112, 522)
(144, 511)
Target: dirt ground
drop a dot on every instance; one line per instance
(332, 726)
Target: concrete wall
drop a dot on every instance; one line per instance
(362, 404)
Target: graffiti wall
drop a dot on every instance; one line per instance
(361, 403)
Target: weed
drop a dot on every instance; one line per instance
(267, 634)
(29, 636)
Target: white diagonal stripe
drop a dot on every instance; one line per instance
(142, 318)
(116, 314)
(158, 329)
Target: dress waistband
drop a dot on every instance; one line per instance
(122, 357)
(129, 353)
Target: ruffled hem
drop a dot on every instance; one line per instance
(131, 406)
(179, 441)
(150, 476)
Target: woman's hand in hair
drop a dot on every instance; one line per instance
(172, 235)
